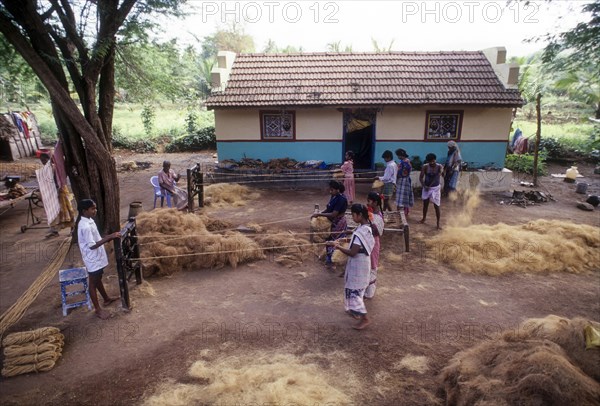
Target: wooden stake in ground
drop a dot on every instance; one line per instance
(538, 136)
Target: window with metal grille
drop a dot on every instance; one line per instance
(278, 125)
(443, 125)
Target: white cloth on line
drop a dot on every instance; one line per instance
(45, 178)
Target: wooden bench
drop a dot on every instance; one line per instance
(400, 226)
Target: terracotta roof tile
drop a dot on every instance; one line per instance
(338, 79)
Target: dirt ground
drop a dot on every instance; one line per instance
(420, 309)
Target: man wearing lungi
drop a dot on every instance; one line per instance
(430, 180)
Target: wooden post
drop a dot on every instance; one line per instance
(201, 189)
(195, 186)
(538, 136)
(190, 206)
(136, 253)
(125, 302)
(405, 230)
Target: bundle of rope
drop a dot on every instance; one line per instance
(17, 310)
(320, 228)
(32, 351)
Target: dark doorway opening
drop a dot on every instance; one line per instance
(5, 153)
(359, 137)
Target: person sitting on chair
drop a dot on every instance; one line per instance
(167, 180)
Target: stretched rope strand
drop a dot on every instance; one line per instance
(161, 239)
(227, 252)
(14, 313)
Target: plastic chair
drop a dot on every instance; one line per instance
(160, 192)
(74, 276)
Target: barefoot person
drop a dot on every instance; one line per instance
(336, 213)
(93, 253)
(376, 209)
(167, 179)
(389, 179)
(430, 180)
(405, 198)
(348, 170)
(358, 268)
(452, 168)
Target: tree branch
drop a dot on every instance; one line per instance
(59, 94)
(68, 21)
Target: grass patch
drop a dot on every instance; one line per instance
(570, 132)
(169, 121)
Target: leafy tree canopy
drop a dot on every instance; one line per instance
(71, 45)
(233, 38)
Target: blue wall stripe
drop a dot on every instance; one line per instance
(477, 154)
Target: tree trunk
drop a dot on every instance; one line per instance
(90, 180)
(86, 136)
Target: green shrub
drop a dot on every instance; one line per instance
(202, 140)
(416, 163)
(141, 146)
(553, 147)
(148, 115)
(48, 131)
(524, 163)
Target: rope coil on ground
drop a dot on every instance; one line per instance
(13, 370)
(34, 347)
(32, 351)
(34, 336)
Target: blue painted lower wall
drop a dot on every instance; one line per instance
(477, 154)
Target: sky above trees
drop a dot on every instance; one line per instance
(411, 25)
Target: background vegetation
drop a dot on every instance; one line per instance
(161, 88)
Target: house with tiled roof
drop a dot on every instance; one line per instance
(317, 106)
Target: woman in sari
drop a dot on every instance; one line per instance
(336, 213)
(452, 168)
(375, 206)
(348, 170)
(358, 267)
(405, 197)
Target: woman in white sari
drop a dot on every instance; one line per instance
(358, 268)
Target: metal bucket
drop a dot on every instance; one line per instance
(581, 188)
(135, 208)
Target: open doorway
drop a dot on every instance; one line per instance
(359, 137)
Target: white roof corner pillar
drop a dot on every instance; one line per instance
(508, 73)
(220, 73)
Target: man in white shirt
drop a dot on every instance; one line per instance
(91, 246)
(388, 179)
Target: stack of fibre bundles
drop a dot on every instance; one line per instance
(32, 351)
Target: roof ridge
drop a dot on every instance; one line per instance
(359, 53)
(393, 78)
